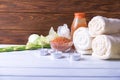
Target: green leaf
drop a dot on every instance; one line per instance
(32, 46)
(19, 48)
(7, 49)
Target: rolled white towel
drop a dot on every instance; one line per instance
(84, 51)
(106, 46)
(82, 40)
(102, 25)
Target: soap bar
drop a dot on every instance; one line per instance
(75, 57)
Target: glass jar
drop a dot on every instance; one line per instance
(79, 21)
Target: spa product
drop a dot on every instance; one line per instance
(82, 41)
(56, 55)
(102, 25)
(106, 46)
(79, 21)
(75, 57)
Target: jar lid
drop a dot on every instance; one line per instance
(80, 14)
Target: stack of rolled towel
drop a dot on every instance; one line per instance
(106, 44)
(101, 38)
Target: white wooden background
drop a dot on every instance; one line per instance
(29, 65)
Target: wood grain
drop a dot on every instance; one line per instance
(59, 6)
(20, 18)
(36, 21)
(32, 21)
(18, 36)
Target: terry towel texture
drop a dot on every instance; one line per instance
(106, 46)
(82, 41)
(101, 25)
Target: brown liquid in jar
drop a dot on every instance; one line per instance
(79, 21)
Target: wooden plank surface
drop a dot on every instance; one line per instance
(59, 6)
(59, 72)
(28, 16)
(57, 78)
(30, 65)
(33, 21)
(17, 36)
(15, 28)
(37, 21)
(17, 59)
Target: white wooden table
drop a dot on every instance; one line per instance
(29, 65)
